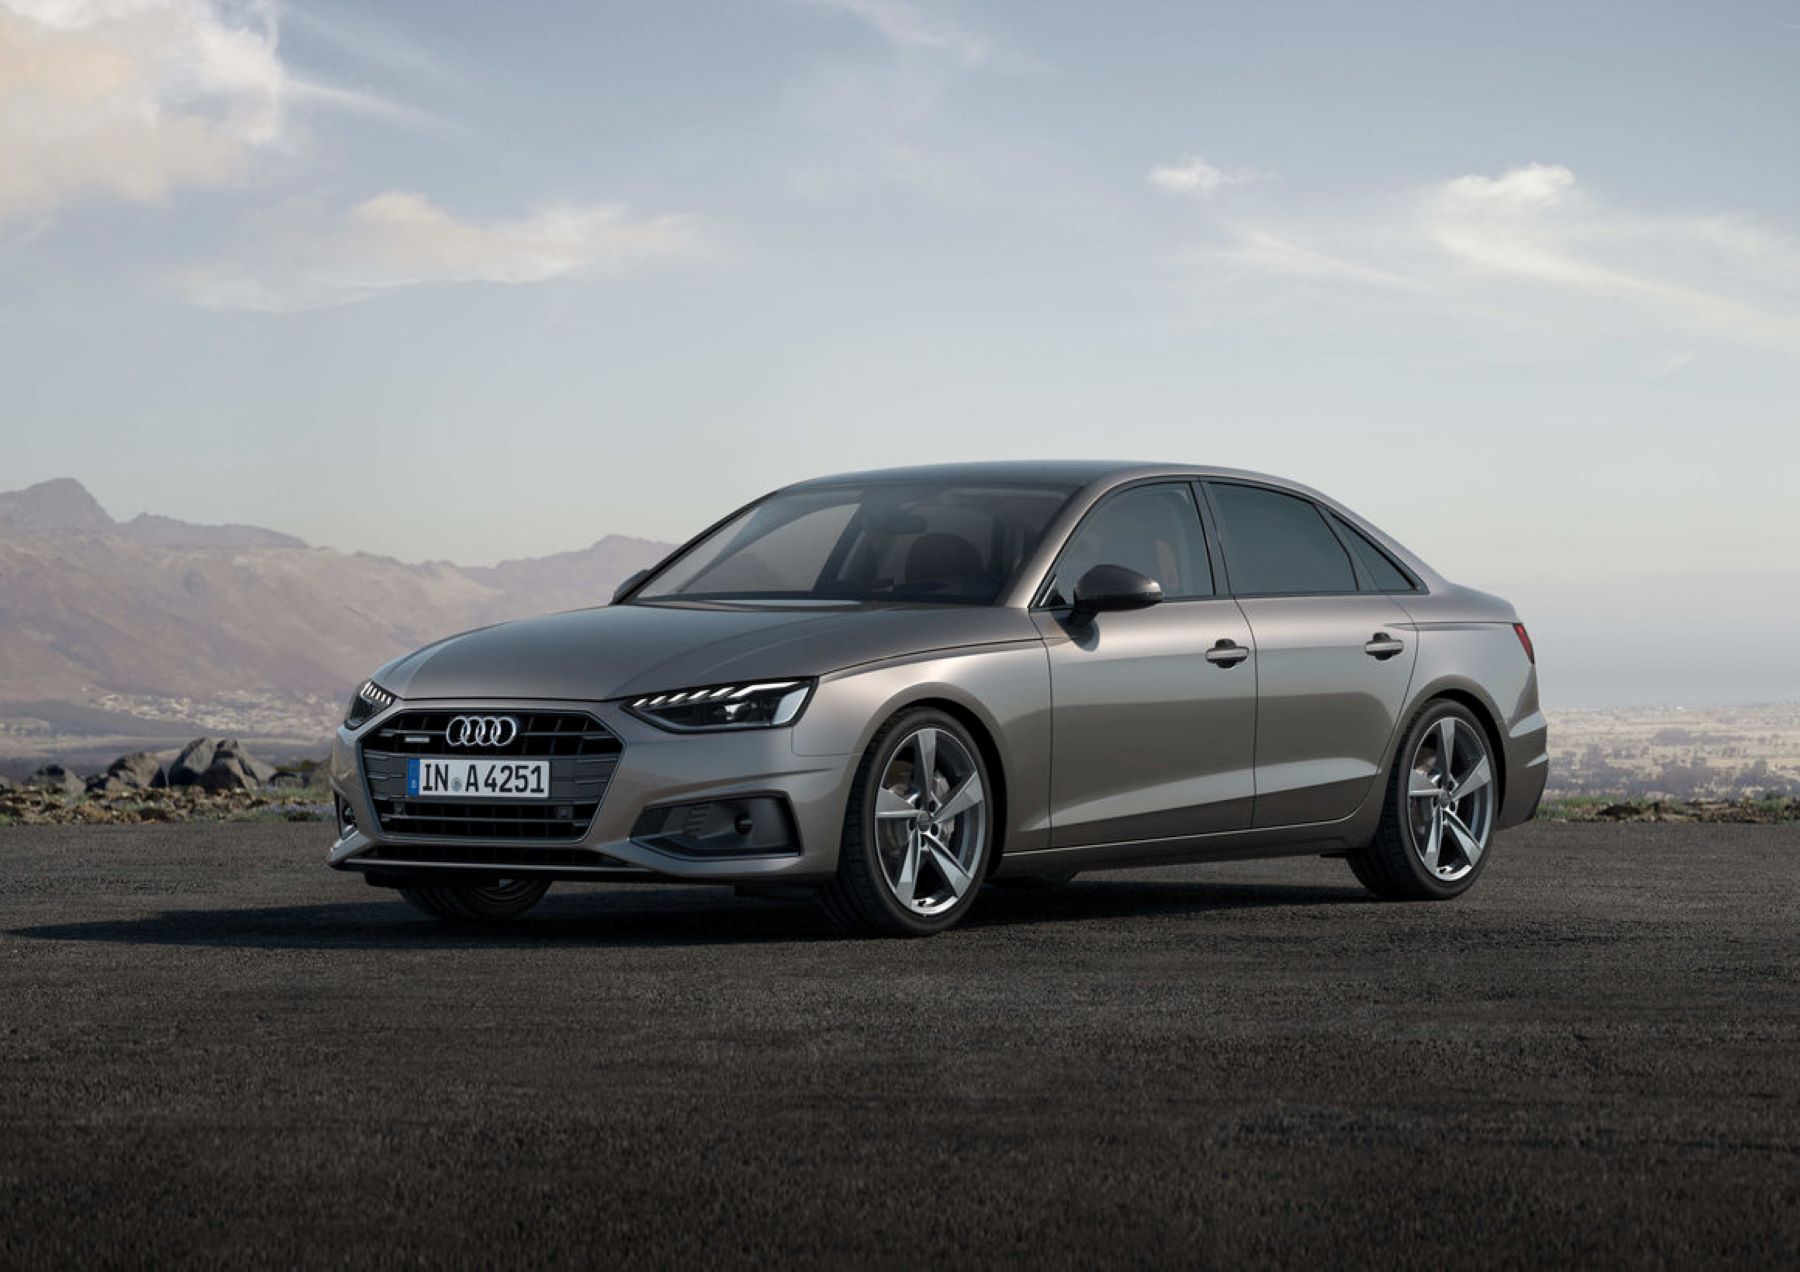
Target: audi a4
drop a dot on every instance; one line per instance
(890, 689)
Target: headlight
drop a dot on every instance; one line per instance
(369, 701)
(755, 706)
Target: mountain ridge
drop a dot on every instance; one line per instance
(156, 606)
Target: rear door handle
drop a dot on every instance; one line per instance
(1382, 646)
(1227, 653)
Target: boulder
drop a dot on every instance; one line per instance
(54, 777)
(235, 769)
(139, 771)
(7, 784)
(191, 764)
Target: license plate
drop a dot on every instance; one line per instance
(428, 778)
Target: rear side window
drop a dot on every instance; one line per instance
(1279, 544)
(1380, 567)
(1154, 530)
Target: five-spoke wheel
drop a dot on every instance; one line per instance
(1450, 798)
(1439, 817)
(930, 820)
(918, 832)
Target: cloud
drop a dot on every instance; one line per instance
(1196, 178)
(130, 98)
(135, 99)
(1530, 248)
(400, 240)
(1260, 251)
(907, 26)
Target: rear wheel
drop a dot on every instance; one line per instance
(493, 902)
(1438, 823)
(917, 833)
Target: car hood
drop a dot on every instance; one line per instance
(618, 650)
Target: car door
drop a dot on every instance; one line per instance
(1333, 661)
(1153, 710)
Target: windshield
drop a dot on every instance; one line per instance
(877, 542)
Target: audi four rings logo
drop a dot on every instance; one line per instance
(482, 731)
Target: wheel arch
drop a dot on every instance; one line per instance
(999, 694)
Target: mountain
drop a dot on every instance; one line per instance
(159, 608)
(63, 504)
(166, 532)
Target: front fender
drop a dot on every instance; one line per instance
(1005, 689)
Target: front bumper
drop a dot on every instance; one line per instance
(656, 768)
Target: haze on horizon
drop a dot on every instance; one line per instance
(471, 282)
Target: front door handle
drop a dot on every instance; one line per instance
(1383, 646)
(1227, 653)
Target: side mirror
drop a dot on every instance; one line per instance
(631, 581)
(1113, 587)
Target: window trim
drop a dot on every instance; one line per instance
(1356, 569)
(1339, 525)
(1040, 594)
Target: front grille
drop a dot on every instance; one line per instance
(583, 754)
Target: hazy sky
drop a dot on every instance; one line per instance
(1519, 282)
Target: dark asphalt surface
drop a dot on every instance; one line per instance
(214, 1050)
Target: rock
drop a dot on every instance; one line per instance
(191, 765)
(54, 777)
(140, 771)
(235, 769)
(7, 784)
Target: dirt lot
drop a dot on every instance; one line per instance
(213, 1049)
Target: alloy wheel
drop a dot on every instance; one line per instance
(931, 821)
(1450, 799)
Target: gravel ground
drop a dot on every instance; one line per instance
(214, 1050)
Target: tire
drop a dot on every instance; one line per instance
(883, 830)
(496, 902)
(1394, 865)
(1035, 883)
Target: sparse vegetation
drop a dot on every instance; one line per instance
(176, 804)
(1676, 753)
(1600, 808)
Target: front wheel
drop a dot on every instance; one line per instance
(918, 831)
(494, 902)
(1438, 822)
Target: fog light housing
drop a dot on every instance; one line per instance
(747, 826)
(346, 817)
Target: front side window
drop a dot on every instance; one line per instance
(1154, 530)
(1279, 544)
(884, 541)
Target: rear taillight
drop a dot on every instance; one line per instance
(1525, 642)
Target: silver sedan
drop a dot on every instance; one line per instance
(891, 688)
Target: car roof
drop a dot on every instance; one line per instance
(1070, 473)
(1096, 477)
